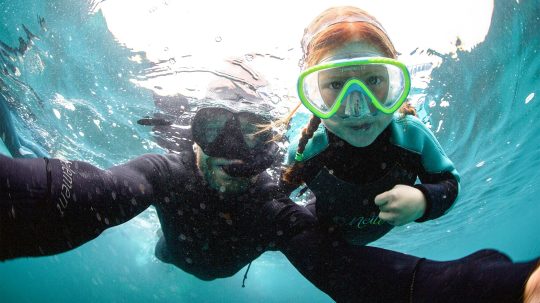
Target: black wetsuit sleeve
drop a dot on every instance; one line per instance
(440, 190)
(349, 273)
(48, 206)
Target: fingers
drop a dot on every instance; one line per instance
(382, 201)
(532, 288)
(383, 198)
(387, 216)
(391, 218)
(388, 212)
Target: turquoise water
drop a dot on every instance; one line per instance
(66, 87)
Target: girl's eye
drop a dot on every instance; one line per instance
(336, 84)
(373, 80)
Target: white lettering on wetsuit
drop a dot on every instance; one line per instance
(360, 222)
(67, 185)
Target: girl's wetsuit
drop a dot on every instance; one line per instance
(345, 179)
(49, 206)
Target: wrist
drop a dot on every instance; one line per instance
(427, 204)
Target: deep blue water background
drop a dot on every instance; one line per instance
(65, 84)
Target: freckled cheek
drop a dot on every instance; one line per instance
(384, 120)
(333, 126)
(333, 122)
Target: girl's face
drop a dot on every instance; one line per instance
(357, 131)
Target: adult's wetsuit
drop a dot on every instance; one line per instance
(213, 234)
(49, 206)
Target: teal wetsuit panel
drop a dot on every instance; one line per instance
(315, 145)
(411, 134)
(3, 149)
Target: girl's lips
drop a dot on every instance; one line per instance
(363, 127)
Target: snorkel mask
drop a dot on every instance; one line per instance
(355, 87)
(225, 133)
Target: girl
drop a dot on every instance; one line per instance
(362, 162)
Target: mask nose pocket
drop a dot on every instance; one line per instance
(357, 105)
(357, 102)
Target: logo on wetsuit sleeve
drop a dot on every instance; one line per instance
(67, 185)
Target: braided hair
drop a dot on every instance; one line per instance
(292, 174)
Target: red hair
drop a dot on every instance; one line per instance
(318, 43)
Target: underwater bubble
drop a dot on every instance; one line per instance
(439, 126)
(275, 99)
(218, 39)
(56, 113)
(529, 98)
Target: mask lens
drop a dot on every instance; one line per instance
(396, 90)
(332, 81)
(226, 134)
(314, 94)
(208, 123)
(254, 129)
(212, 130)
(220, 132)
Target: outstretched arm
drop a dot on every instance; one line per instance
(369, 274)
(49, 206)
(349, 273)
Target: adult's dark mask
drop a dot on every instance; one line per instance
(223, 133)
